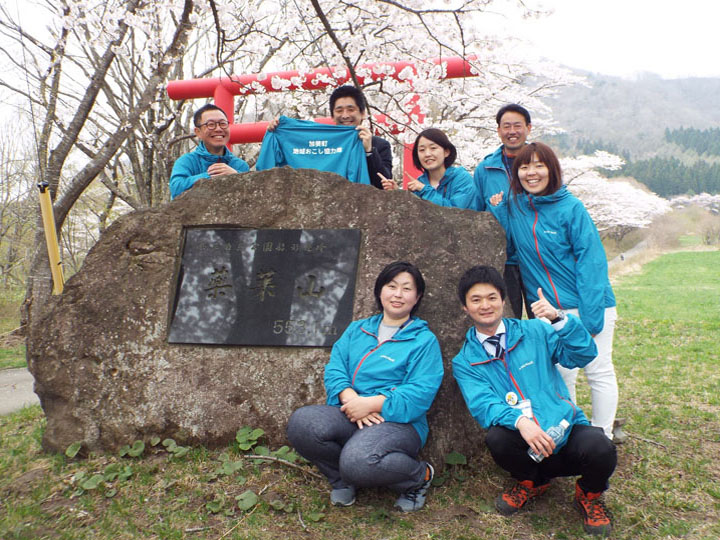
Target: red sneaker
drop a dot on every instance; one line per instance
(596, 518)
(514, 499)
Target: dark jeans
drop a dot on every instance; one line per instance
(379, 455)
(587, 453)
(516, 291)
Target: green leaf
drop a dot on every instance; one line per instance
(247, 500)
(137, 449)
(93, 482)
(229, 467)
(111, 476)
(262, 451)
(315, 516)
(224, 457)
(112, 471)
(72, 450)
(180, 451)
(111, 493)
(455, 458)
(170, 444)
(242, 434)
(125, 474)
(256, 434)
(282, 451)
(154, 441)
(438, 480)
(286, 453)
(246, 446)
(79, 476)
(123, 451)
(214, 506)
(278, 504)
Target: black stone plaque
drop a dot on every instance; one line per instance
(289, 287)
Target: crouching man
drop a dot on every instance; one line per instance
(506, 372)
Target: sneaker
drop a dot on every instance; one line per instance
(414, 499)
(619, 436)
(515, 498)
(343, 496)
(596, 518)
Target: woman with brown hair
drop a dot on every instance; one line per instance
(562, 257)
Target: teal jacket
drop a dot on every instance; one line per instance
(528, 369)
(559, 249)
(302, 144)
(455, 189)
(490, 178)
(191, 167)
(407, 369)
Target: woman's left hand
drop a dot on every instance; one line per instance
(369, 420)
(361, 407)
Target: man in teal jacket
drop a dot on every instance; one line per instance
(507, 375)
(492, 176)
(211, 157)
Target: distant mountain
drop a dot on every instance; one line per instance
(633, 114)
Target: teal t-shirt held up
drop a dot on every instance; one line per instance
(302, 144)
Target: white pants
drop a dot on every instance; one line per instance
(600, 375)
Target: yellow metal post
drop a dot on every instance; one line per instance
(51, 238)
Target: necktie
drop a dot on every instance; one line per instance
(495, 341)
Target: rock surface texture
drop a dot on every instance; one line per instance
(107, 376)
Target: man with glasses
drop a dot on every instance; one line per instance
(211, 157)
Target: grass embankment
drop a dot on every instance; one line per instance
(12, 348)
(666, 484)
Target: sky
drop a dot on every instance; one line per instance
(671, 38)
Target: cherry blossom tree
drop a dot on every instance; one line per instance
(65, 87)
(616, 206)
(93, 82)
(16, 209)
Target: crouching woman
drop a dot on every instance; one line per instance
(381, 379)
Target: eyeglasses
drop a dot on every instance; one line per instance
(223, 124)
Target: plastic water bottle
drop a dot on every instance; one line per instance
(556, 432)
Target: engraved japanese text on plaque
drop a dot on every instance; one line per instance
(288, 287)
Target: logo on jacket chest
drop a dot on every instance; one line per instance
(526, 364)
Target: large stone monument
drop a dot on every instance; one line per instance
(117, 357)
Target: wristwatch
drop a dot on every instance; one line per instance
(560, 316)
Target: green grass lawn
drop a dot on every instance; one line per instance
(12, 350)
(12, 357)
(666, 484)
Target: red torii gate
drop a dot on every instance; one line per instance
(224, 89)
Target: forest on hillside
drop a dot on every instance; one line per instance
(703, 141)
(667, 131)
(665, 174)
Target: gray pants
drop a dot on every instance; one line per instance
(379, 455)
